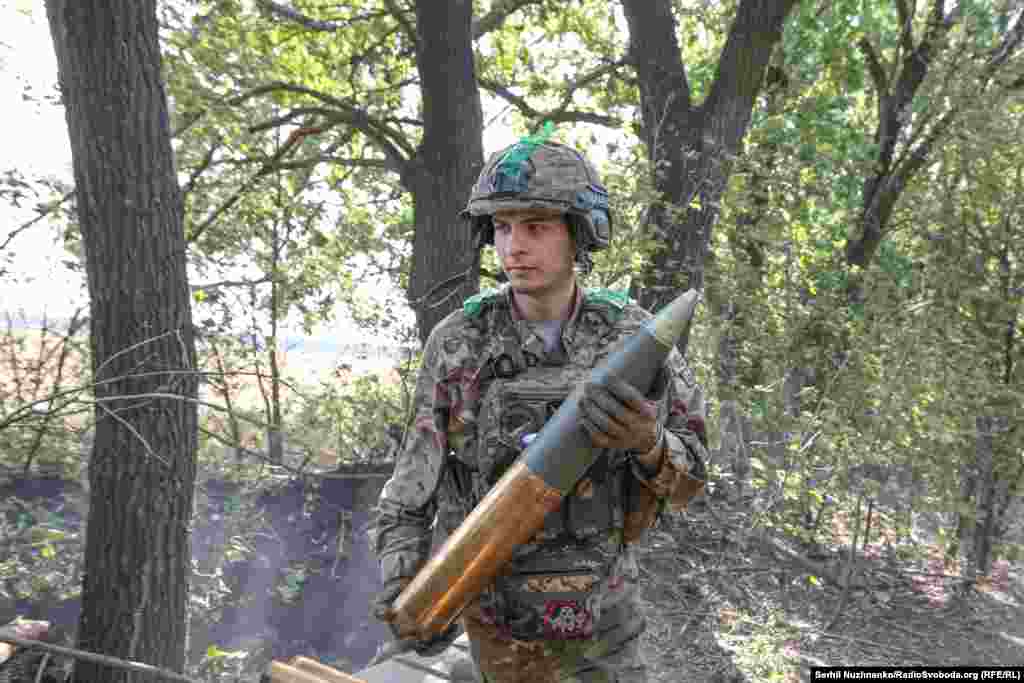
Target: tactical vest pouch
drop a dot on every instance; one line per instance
(551, 587)
(553, 593)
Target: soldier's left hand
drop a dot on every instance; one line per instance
(617, 416)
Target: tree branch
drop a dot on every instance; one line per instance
(300, 18)
(388, 140)
(85, 655)
(43, 213)
(307, 162)
(289, 116)
(586, 79)
(398, 14)
(493, 20)
(906, 26)
(1010, 43)
(740, 72)
(556, 115)
(201, 168)
(230, 283)
(912, 162)
(875, 67)
(194, 235)
(915, 68)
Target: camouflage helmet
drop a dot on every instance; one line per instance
(536, 173)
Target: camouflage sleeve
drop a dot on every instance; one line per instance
(685, 436)
(407, 505)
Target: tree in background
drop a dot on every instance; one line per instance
(383, 100)
(142, 467)
(340, 94)
(829, 232)
(693, 130)
(862, 274)
(692, 146)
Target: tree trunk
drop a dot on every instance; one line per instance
(445, 269)
(692, 147)
(142, 468)
(977, 536)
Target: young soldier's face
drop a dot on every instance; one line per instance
(535, 250)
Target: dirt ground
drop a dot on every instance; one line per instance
(728, 602)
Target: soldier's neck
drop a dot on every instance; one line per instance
(554, 305)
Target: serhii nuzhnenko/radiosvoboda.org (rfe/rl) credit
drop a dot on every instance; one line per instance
(917, 673)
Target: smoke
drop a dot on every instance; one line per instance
(287, 570)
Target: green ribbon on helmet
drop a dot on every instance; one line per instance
(508, 172)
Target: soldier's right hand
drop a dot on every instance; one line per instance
(383, 609)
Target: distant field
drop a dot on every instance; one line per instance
(21, 350)
(309, 364)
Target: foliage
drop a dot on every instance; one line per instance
(42, 552)
(44, 405)
(764, 649)
(884, 366)
(290, 144)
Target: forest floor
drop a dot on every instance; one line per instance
(728, 603)
(728, 600)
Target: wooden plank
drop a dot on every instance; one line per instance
(326, 673)
(283, 673)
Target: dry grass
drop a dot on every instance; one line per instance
(28, 373)
(723, 606)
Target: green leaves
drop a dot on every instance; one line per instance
(215, 652)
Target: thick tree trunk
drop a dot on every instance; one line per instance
(142, 467)
(445, 269)
(692, 147)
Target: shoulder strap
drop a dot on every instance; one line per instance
(616, 298)
(610, 302)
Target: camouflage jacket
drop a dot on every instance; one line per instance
(446, 402)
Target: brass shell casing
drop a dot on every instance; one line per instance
(508, 516)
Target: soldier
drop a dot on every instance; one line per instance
(566, 606)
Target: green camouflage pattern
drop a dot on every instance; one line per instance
(450, 395)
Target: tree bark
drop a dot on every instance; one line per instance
(691, 147)
(142, 467)
(445, 267)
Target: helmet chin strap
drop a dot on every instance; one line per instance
(584, 261)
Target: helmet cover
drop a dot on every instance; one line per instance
(535, 173)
